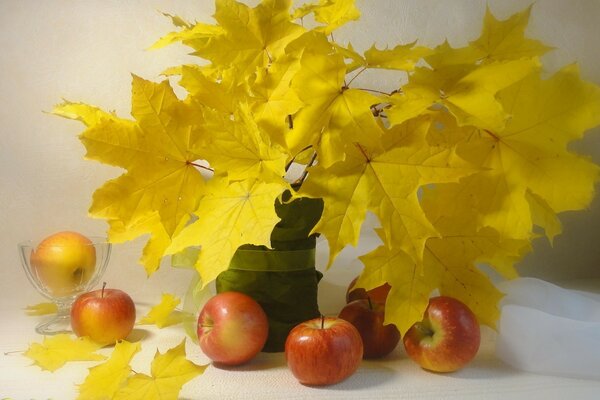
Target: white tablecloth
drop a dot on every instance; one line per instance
(267, 377)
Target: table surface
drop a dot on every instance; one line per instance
(267, 376)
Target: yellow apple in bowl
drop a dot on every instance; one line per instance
(63, 262)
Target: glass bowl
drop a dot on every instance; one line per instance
(61, 270)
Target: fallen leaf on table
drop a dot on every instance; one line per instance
(169, 372)
(163, 314)
(106, 379)
(41, 309)
(57, 350)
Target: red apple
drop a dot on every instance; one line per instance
(323, 351)
(377, 295)
(64, 261)
(232, 328)
(446, 339)
(367, 317)
(104, 315)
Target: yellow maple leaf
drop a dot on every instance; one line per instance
(354, 59)
(272, 98)
(57, 350)
(499, 41)
(230, 215)
(89, 115)
(480, 70)
(444, 55)
(386, 183)
(401, 57)
(41, 309)
(461, 247)
(219, 92)
(241, 150)
(334, 116)
(332, 13)
(542, 215)
(148, 224)
(498, 203)
(450, 265)
(409, 104)
(505, 40)
(469, 94)
(164, 313)
(169, 372)
(104, 380)
(164, 134)
(410, 288)
(193, 35)
(251, 37)
(530, 155)
(488, 217)
(547, 115)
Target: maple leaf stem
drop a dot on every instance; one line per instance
(375, 91)
(492, 134)
(377, 112)
(298, 183)
(363, 69)
(364, 153)
(268, 55)
(201, 166)
(289, 164)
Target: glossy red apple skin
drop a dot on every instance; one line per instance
(447, 339)
(104, 315)
(367, 317)
(232, 328)
(323, 351)
(377, 295)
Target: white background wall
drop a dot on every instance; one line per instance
(85, 50)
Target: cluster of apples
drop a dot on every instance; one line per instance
(445, 340)
(233, 328)
(65, 260)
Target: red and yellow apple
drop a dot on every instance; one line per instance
(446, 339)
(104, 315)
(64, 261)
(368, 318)
(323, 351)
(377, 295)
(232, 328)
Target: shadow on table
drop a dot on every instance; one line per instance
(485, 366)
(368, 376)
(263, 361)
(138, 334)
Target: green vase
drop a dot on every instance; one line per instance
(283, 279)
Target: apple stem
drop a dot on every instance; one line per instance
(370, 303)
(322, 321)
(103, 286)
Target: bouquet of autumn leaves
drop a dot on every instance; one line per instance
(463, 160)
